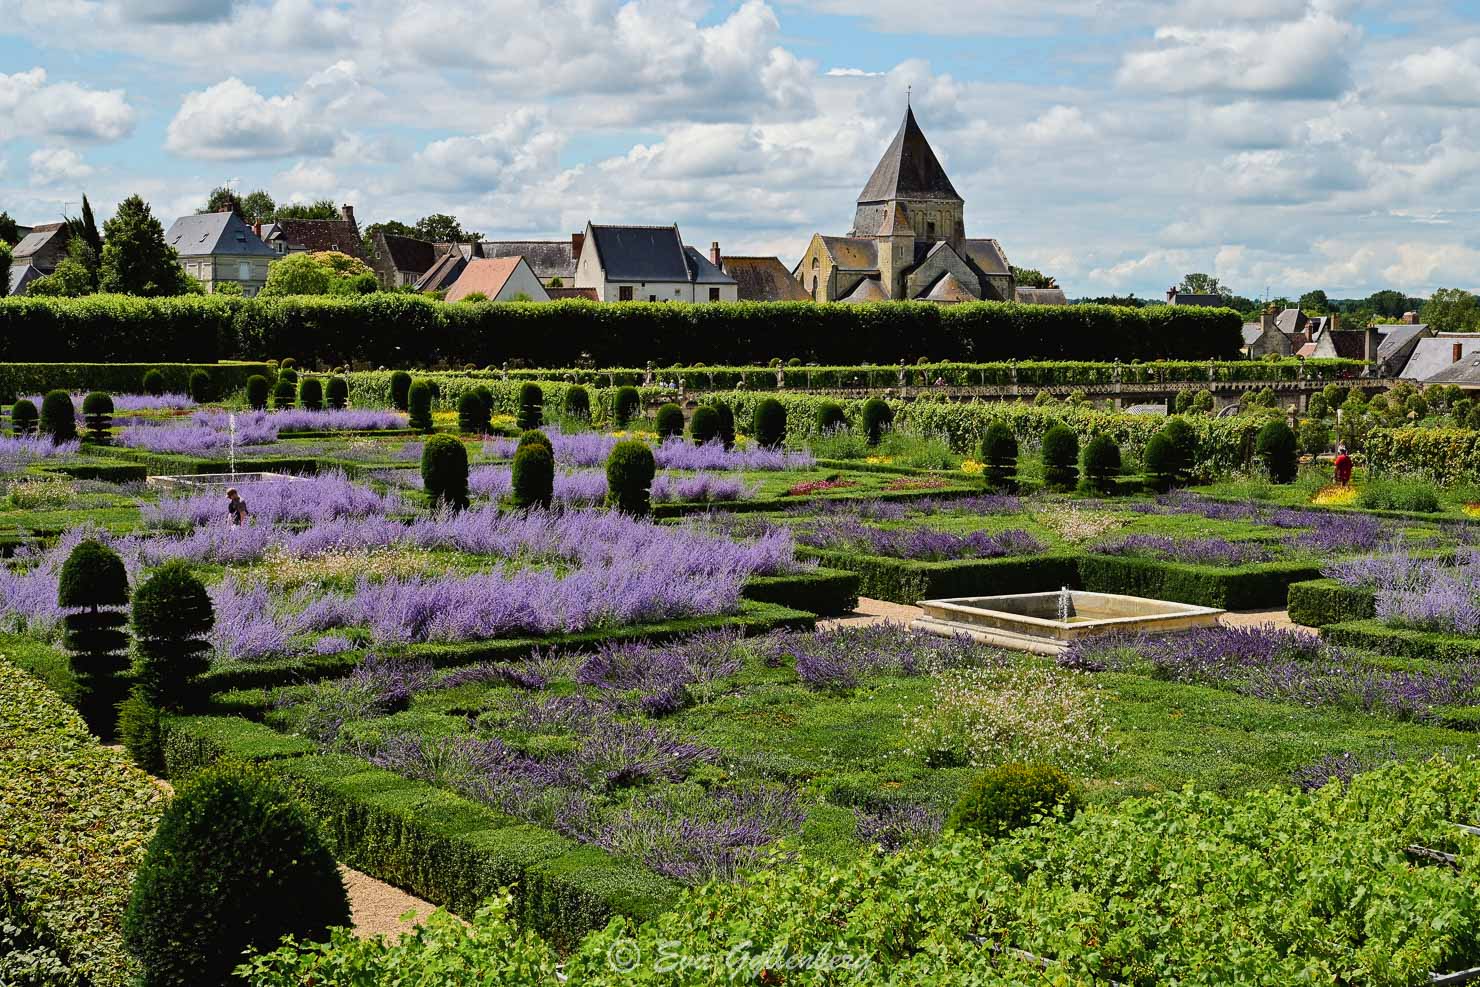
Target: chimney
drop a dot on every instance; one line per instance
(348, 212)
(577, 241)
(1410, 318)
(257, 229)
(1171, 294)
(714, 257)
(1335, 322)
(1266, 321)
(1370, 344)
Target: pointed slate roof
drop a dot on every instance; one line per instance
(909, 169)
(215, 233)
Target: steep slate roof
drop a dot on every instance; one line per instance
(1348, 344)
(215, 233)
(486, 275)
(407, 253)
(909, 169)
(1252, 331)
(640, 253)
(547, 258)
(442, 274)
(764, 279)
(1465, 372)
(1206, 301)
(1436, 354)
(1397, 344)
(986, 256)
(38, 239)
(315, 235)
(1042, 296)
(703, 271)
(1290, 321)
(868, 290)
(852, 253)
(21, 275)
(948, 288)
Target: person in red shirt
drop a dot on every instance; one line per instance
(1343, 466)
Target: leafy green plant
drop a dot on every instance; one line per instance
(171, 616)
(533, 476)
(58, 417)
(444, 471)
(626, 405)
(1060, 456)
(235, 865)
(669, 421)
(153, 382)
(1275, 447)
(471, 416)
(419, 401)
(257, 387)
(202, 388)
(93, 588)
(877, 416)
(1101, 464)
(706, 425)
(830, 415)
(311, 393)
(768, 427)
(1399, 494)
(531, 406)
(400, 390)
(999, 454)
(630, 469)
(23, 417)
(1011, 796)
(336, 392)
(284, 395)
(97, 412)
(726, 421)
(578, 403)
(1161, 462)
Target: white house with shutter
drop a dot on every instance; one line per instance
(650, 264)
(219, 247)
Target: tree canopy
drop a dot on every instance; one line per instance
(318, 209)
(258, 207)
(10, 233)
(1451, 310)
(1202, 284)
(222, 199)
(136, 260)
(442, 228)
(1027, 277)
(1315, 303)
(327, 272)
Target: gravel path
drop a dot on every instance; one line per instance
(871, 612)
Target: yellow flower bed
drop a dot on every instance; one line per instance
(972, 466)
(1473, 510)
(879, 460)
(1334, 494)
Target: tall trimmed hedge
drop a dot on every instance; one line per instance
(400, 329)
(58, 416)
(630, 469)
(444, 471)
(531, 406)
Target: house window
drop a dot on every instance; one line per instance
(652, 298)
(1459, 352)
(930, 229)
(714, 294)
(243, 271)
(624, 293)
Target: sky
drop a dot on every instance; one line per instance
(1280, 145)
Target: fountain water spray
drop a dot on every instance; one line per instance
(1064, 604)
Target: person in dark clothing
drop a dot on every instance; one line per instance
(236, 508)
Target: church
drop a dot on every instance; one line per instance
(908, 239)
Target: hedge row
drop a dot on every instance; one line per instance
(1028, 373)
(401, 330)
(908, 580)
(1443, 455)
(446, 849)
(18, 379)
(1263, 585)
(1321, 602)
(825, 592)
(75, 821)
(1374, 635)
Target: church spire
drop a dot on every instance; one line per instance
(909, 169)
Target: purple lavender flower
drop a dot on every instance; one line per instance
(894, 826)
(245, 629)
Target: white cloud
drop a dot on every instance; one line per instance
(842, 73)
(1301, 59)
(55, 165)
(1061, 124)
(1440, 76)
(516, 151)
(32, 107)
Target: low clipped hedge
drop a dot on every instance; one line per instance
(439, 846)
(1374, 635)
(75, 818)
(825, 592)
(1321, 602)
(119, 378)
(1260, 586)
(908, 580)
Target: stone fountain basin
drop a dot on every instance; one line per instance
(1031, 621)
(215, 481)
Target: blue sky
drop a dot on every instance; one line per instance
(1289, 145)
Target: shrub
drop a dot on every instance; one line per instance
(578, 403)
(419, 402)
(401, 390)
(202, 389)
(1060, 457)
(171, 616)
(626, 404)
(97, 411)
(830, 415)
(284, 394)
(1204, 402)
(669, 421)
(726, 422)
(534, 437)
(444, 471)
(23, 417)
(999, 452)
(531, 406)
(485, 398)
(706, 425)
(534, 476)
(1182, 403)
(257, 387)
(1184, 448)
(287, 363)
(153, 382)
(336, 392)
(58, 417)
(1318, 408)
(311, 394)
(471, 417)
(877, 416)
(1315, 437)
(288, 374)
(1160, 460)
(141, 732)
(235, 865)
(768, 425)
(629, 477)
(93, 587)
(1275, 447)
(1010, 796)
(1399, 495)
(1101, 463)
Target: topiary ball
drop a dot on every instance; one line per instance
(235, 865)
(630, 469)
(287, 362)
(257, 388)
(92, 576)
(419, 404)
(1060, 458)
(726, 423)
(1161, 463)
(58, 417)
(669, 421)
(578, 403)
(1101, 464)
(1275, 447)
(531, 406)
(706, 425)
(97, 411)
(311, 394)
(153, 382)
(1009, 797)
(288, 374)
(626, 404)
(171, 615)
(284, 395)
(471, 418)
(768, 424)
(202, 389)
(400, 390)
(830, 416)
(1184, 446)
(877, 416)
(444, 471)
(485, 398)
(533, 476)
(23, 417)
(336, 393)
(534, 437)
(999, 455)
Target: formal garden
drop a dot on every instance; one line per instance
(573, 654)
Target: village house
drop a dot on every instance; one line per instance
(497, 279)
(399, 261)
(763, 279)
(37, 255)
(649, 264)
(218, 248)
(297, 236)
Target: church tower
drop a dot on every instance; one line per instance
(909, 184)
